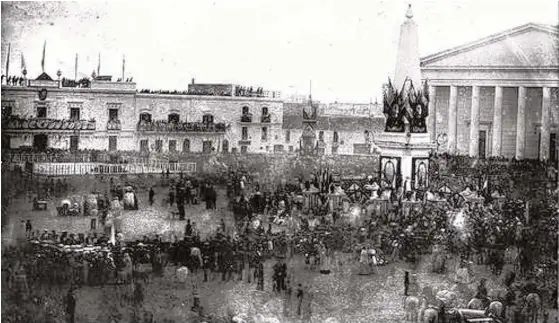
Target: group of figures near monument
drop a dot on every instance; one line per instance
(403, 108)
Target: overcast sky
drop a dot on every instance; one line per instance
(346, 47)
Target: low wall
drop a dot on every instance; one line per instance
(64, 169)
(273, 167)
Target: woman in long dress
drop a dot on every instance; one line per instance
(373, 260)
(364, 267)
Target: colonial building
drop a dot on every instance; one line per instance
(46, 113)
(336, 134)
(498, 96)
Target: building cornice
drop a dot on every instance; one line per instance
(494, 82)
(206, 97)
(554, 68)
(22, 89)
(6, 88)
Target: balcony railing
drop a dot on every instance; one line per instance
(114, 125)
(267, 118)
(164, 126)
(246, 118)
(18, 123)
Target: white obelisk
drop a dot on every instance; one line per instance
(402, 148)
(407, 61)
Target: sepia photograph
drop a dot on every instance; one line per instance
(280, 161)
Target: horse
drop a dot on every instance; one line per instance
(411, 307)
(475, 304)
(532, 305)
(495, 308)
(430, 315)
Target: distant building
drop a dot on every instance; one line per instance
(105, 115)
(337, 134)
(225, 118)
(497, 96)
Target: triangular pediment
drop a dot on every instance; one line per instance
(527, 46)
(44, 77)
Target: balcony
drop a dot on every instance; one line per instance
(46, 124)
(190, 127)
(114, 125)
(247, 117)
(267, 118)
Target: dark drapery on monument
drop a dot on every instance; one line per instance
(403, 108)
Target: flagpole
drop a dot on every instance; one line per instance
(44, 52)
(76, 68)
(123, 62)
(99, 65)
(8, 60)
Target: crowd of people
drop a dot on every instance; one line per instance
(279, 224)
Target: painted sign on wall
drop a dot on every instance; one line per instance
(48, 124)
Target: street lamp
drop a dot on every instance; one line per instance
(59, 73)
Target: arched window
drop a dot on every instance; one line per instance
(265, 115)
(174, 117)
(246, 116)
(186, 146)
(389, 171)
(145, 117)
(367, 136)
(335, 139)
(422, 175)
(207, 118)
(225, 146)
(321, 136)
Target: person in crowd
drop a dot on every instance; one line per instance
(171, 197)
(188, 228)
(406, 282)
(151, 195)
(71, 305)
(28, 228)
(300, 296)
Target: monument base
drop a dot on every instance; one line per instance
(408, 155)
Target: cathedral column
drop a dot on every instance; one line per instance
(521, 123)
(546, 116)
(452, 120)
(497, 121)
(474, 123)
(432, 125)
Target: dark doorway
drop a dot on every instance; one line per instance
(482, 144)
(553, 147)
(6, 142)
(225, 146)
(207, 147)
(74, 143)
(40, 142)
